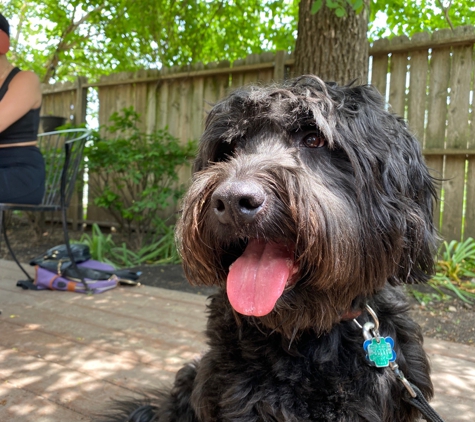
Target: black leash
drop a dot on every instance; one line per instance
(419, 402)
(415, 397)
(378, 348)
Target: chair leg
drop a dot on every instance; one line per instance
(68, 247)
(7, 242)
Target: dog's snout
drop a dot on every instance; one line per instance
(238, 202)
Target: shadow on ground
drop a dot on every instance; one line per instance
(170, 277)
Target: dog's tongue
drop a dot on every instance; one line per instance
(257, 279)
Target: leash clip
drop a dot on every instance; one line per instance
(400, 376)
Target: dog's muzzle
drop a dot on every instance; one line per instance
(238, 202)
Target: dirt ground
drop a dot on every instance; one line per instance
(451, 320)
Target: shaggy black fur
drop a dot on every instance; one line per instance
(333, 186)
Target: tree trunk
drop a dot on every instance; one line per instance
(333, 48)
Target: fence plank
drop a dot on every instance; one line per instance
(469, 229)
(186, 100)
(237, 79)
(397, 84)
(138, 93)
(470, 206)
(380, 73)
(457, 137)
(416, 106)
(174, 96)
(181, 99)
(279, 66)
(437, 116)
(162, 109)
(198, 104)
(379, 69)
(265, 76)
(151, 109)
(215, 88)
(469, 226)
(251, 77)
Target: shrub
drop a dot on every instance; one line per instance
(456, 269)
(455, 273)
(135, 175)
(103, 248)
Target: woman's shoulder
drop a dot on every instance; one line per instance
(27, 76)
(26, 84)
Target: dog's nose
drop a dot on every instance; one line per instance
(238, 202)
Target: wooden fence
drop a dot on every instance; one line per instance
(427, 79)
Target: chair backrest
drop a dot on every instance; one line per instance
(62, 151)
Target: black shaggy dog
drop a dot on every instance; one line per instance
(309, 202)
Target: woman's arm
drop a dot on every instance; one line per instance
(24, 94)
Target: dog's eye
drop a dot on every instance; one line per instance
(224, 151)
(314, 140)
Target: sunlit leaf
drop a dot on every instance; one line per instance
(316, 6)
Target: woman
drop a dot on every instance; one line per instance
(22, 169)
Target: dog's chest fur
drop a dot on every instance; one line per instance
(251, 374)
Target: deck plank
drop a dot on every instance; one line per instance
(63, 356)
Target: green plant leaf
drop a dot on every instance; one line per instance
(340, 12)
(316, 6)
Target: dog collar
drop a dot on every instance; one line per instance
(351, 315)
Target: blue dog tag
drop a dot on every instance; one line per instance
(380, 351)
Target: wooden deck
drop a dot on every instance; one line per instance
(64, 355)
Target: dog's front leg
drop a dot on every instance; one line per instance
(162, 405)
(178, 407)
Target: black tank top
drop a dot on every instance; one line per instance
(25, 129)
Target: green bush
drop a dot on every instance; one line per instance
(135, 176)
(103, 248)
(455, 269)
(455, 273)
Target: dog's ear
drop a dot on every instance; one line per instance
(405, 182)
(396, 184)
(421, 237)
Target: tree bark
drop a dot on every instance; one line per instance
(331, 47)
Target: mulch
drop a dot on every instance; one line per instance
(451, 319)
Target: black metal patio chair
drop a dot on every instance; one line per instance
(62, 151)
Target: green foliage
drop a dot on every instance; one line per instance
(339, 6)
(455, 274)
(424, 298)
(62, 39)
(408, 17)
(455, 269)
(134, 175)
(104, 249)
(100, 245)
